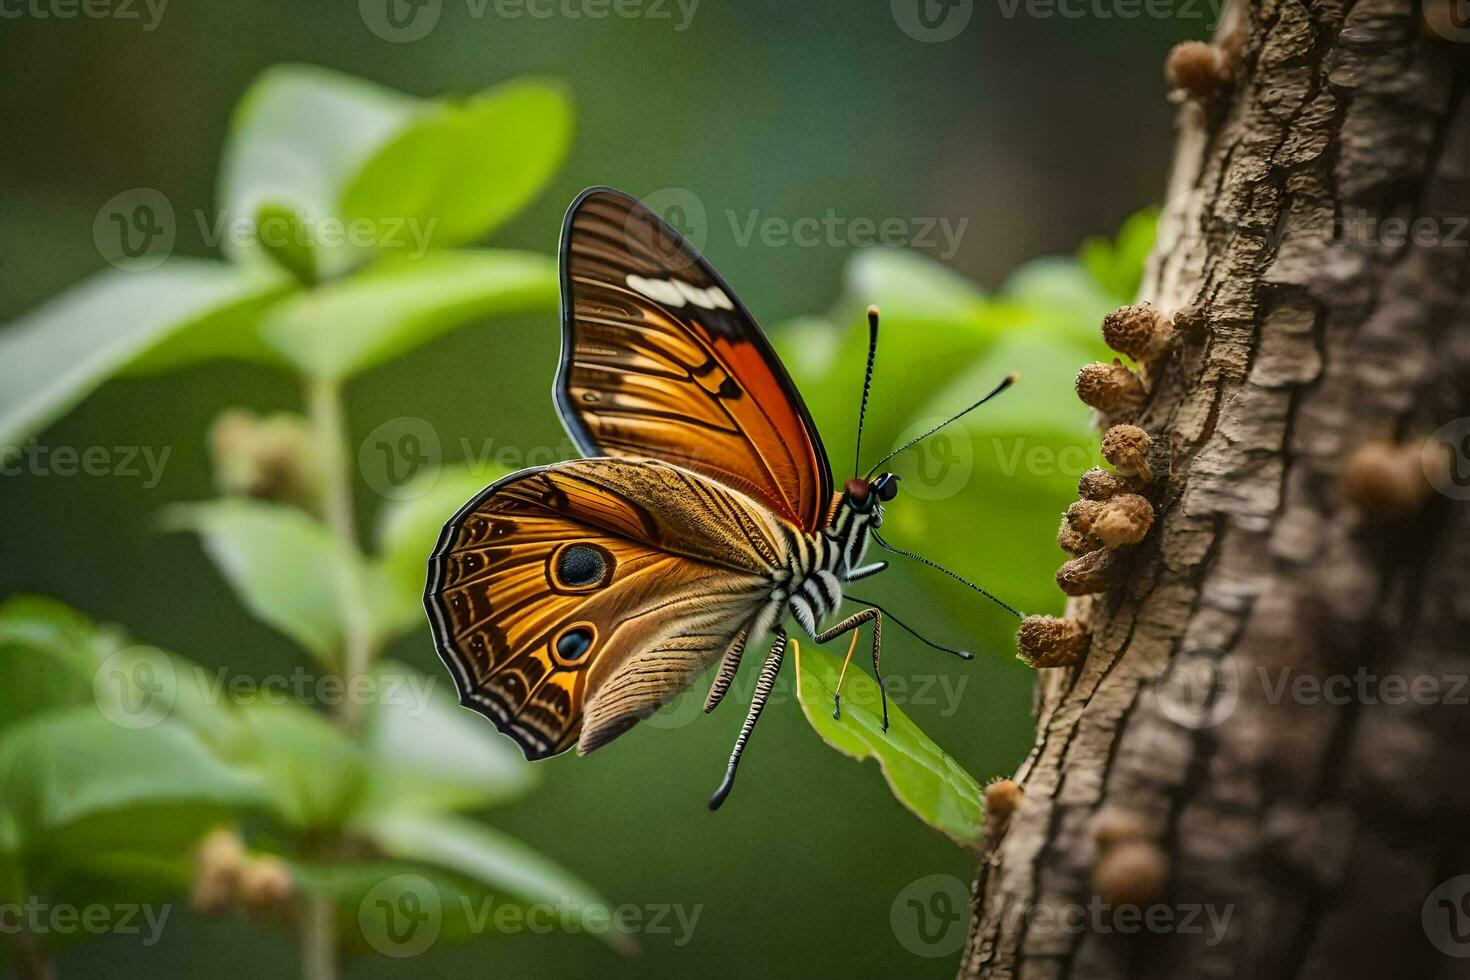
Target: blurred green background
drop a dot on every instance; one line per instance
(1038, 133)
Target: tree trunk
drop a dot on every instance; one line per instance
(1303, 812)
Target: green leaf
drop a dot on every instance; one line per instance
(908, 285)
(920, 775)
(46, 659)
(1117, 266)
(316, 775)
(349, 325)
(56, 355)
(296, 139)
(286, 567)
(53, 656)
(1056, 296)
(77, 785)
(496, 860)
(430, 754)
(286, 240)
(370, 896)
(410, 528)
(458, 171)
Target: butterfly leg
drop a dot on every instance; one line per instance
(852, 622)
(863, 571)
(726, 674)
(842, 675)
(757, 703)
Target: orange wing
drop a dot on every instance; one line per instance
(570, 601)
(660, 359)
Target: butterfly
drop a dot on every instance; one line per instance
(572, 600)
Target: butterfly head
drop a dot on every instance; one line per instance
(869, 496)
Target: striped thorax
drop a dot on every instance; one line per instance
(818, 565)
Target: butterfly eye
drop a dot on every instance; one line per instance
(886, 487)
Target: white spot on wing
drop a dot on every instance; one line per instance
(678, 293)
(660, 290)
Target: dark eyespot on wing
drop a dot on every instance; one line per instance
(581, 565)
(574, 644)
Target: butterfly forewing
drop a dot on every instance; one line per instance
(661, 360)
(570, 601)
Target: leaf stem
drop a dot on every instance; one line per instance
(30, 958)
(318, 924)
(324, 399)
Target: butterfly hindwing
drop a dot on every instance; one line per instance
(570, 601)
(660, 359)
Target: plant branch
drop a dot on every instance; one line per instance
(324, 398)
(31, 959)
(318, 926)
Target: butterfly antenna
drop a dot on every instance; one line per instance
(867, 384)
(962, 654)
(920, 558)
(1009, 380)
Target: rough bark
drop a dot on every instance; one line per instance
(1321, 823)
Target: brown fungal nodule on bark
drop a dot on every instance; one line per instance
(1133, 872)
(1139, 331)
(1123, 520)
(1096, 571)
(1127, 448)
(1198, 69)
(1046, 641)
(1110, 388)
(1002, 799)
(1385, 482)
(1099, 484)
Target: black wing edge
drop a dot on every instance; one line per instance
(469, 696)
(561, 391)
